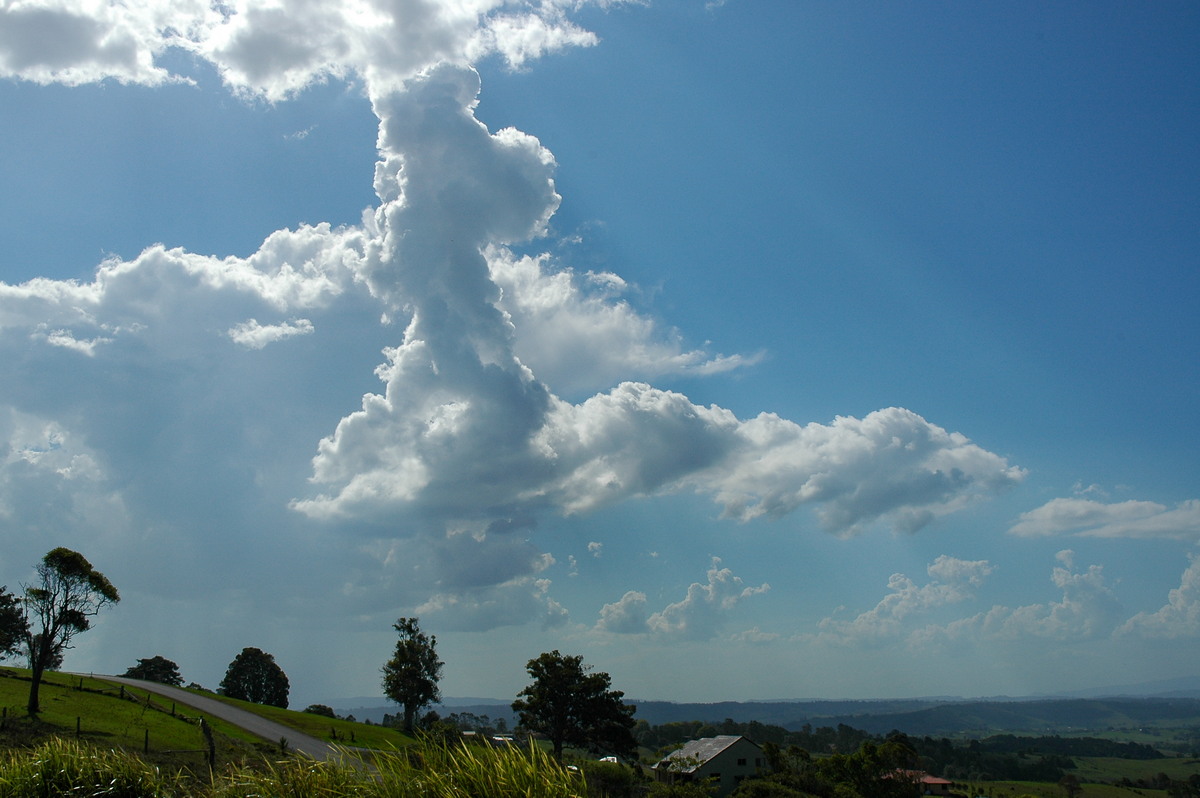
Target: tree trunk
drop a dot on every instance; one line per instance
(35, 683)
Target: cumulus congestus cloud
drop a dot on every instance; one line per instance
(484, 422)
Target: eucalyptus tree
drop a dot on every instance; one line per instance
(66, 595)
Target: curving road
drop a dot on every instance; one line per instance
(255, 724)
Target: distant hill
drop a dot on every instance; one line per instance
(373, 708)
(1175, 702)
(1186, 687)
(1049, 716)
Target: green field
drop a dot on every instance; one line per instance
(1098, 777)
(106, 714)
(336, 730)
(1012, 789)
(1111, 770)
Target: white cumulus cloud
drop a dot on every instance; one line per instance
(1178, 618)
(253, 335)
(275, 48)
(161, 370)
(1087, 610)
(579, 334)
(951, 580)
(698, 616)
(1129, 519)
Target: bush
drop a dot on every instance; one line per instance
(761, 788)
(611, 779)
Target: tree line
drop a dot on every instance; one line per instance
(567, 701)
(1003, 756)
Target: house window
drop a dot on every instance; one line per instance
(741, 763)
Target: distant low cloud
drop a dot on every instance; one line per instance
(951, 581)
(1129, 519)
(1178, 618)
(698, 616)
(1088, 610)
(520, 600)
(625, 616)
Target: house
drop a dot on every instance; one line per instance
(927, 784)
(932, 785)
(727, 760)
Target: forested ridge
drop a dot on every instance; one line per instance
(1003, 756)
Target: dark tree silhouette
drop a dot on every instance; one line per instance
(410, 677)
(156, 669)
(67, 594)
(254, 676)
(13, 625)
(573, 705)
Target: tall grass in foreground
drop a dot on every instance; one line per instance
(63, 767)
(427, 770)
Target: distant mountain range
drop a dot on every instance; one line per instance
(1170, 702)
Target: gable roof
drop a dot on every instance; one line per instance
(701, 751)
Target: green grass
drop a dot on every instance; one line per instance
(343, 732)
(62, 767)
(67, 767)
(93, 710)
(1111, 770)
(1040, 789)
(97, 709)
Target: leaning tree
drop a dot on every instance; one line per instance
(67, 594)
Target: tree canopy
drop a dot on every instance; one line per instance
(156, 669)
(68, 592)
(410, 677)
(254, 676)
(12, 624)
(572, 705)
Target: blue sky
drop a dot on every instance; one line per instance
(749, 350)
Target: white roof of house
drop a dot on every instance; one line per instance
(703, 750)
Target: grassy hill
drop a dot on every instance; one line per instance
(108, 714)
